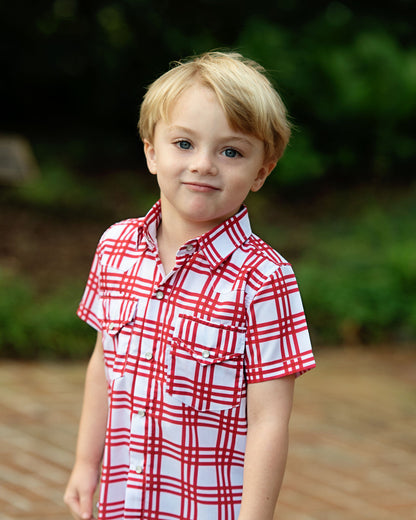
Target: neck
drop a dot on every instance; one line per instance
(171, 240)
(168, 244)
(175, 230)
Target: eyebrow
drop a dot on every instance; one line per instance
(226, 138)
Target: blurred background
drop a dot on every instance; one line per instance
(340, 205)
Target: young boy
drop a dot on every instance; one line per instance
(201, 330)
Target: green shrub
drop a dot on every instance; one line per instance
(359, 280)
(58, 188)
(41, 327)
(354, 257)
(351, 92)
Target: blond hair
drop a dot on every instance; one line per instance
(250, 102)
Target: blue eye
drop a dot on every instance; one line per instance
(184, 145)
(231, 153)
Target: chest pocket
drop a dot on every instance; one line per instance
(119, 313)
(206, 364)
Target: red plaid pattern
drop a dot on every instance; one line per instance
(179, 351)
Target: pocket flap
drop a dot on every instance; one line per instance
(209, 342)
(118, 311)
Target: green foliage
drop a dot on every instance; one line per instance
(57, 187)
(353, 98)
(347, 71)
(358, 279)
(41, 327)
(59, 190)
(354, 257)
(301, 162)
(76, 72)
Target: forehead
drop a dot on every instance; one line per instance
(192, 98)
(195, 107)
(198, 106)
(198, 114)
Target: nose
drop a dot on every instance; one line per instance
(203, 163)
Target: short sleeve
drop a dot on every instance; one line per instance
(90, 308)
(278, 342)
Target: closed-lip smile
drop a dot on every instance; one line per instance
(200, 186)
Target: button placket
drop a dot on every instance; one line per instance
(137, 467)
(137, 427)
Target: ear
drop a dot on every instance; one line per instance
(262, 175)
(150, 153)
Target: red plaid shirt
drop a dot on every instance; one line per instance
(179, 351)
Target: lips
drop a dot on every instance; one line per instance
(200, 186)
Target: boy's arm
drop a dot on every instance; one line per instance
(269, 405)
(91, 437)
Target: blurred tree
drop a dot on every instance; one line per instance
(354, 100)
(77, 71)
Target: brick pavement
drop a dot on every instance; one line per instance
(352, 453)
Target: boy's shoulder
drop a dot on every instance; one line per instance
(259, 263)
(261, 266)
(261, 249)
(121, 237)
(123, 226)
(123, 230)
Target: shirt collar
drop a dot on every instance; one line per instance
(223, 240)
(217, 244)
(149, 225)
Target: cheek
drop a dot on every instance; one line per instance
(244, 183)
(158, 164)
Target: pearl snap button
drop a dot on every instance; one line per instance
(148, 356)
(139, 469)
(205, 354)
(159, 295)
(189, 247)
(141, 413)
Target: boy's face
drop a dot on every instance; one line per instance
(205, 169)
